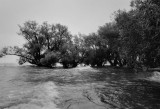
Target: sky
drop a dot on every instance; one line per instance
(80, 16)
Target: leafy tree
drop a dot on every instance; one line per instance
(50, 59)
(139, 30)
(110, 33)
(149, 13)
(130, 39)
(95, 50)
(34, 46)
(70, 55)
(43, 45)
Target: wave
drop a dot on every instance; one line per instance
(42, 96)
(155, 76)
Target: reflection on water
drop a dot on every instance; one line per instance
(79, 88)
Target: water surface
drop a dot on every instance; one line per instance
(78, 88)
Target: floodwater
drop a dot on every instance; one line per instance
(79, 88)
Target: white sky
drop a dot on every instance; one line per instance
(81, 16)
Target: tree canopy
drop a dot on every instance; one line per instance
(131, 40)
(139, 29)
(44, 43)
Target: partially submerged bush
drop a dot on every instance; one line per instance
(69, 61)
(50, 59)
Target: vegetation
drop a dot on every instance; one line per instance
(139, 30)
(44, 43)
(131, 40)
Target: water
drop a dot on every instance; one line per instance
(17, 92)
(78, 88)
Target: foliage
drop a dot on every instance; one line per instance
(43, 42)
(70, 55)
(110, 33)
(95, 50)
(139, 30)
(50, 59)
(130, 40)
(133, 39)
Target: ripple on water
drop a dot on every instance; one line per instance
(42, 96)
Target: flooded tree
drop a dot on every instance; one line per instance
(70, 56)
(132, 39)
(43, 45)
(139, 30)
(95, 50)
(110, 33)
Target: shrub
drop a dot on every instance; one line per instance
(50, 59)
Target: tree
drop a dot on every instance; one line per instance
(43, 45)
(70, 55)
(149, 13)
(95, 50)
(139, 30)
(35, 42)
(130, 40)
(110, 33)
(50, 59)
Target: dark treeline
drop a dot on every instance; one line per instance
(132, 40)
